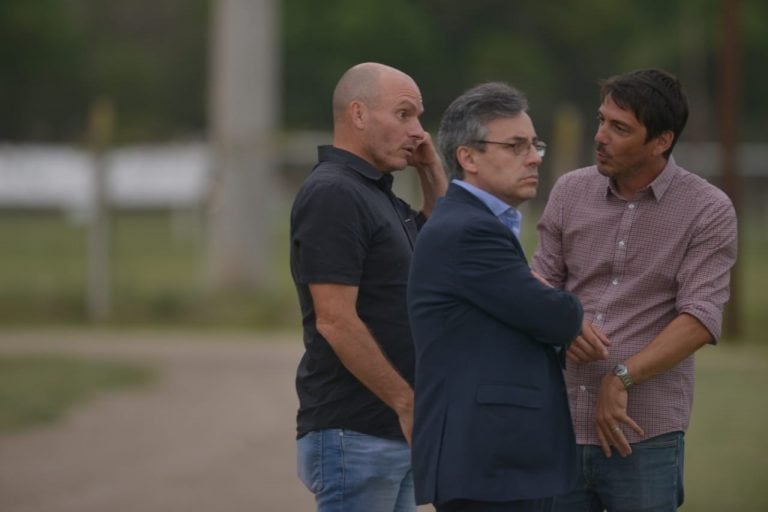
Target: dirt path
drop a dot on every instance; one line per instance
(215, 433)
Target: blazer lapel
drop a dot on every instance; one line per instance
(456, 193)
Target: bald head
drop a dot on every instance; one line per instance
(363, 83)
(376, 110)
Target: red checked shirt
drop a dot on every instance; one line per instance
(636, 265)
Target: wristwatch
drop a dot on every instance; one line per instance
(622, 373)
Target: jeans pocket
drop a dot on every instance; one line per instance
(670, 440)
(309, 460)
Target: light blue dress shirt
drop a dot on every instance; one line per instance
(507, 215)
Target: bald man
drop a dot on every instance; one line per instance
(351, 246)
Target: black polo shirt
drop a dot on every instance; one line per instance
(347, 227)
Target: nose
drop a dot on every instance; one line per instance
(416, 130)
(600, 135)
(533, 157)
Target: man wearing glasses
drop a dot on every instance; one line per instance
(492, 429)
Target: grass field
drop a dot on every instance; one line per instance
(726, 447)
(158, 261)
(157, 268)
(40, 389)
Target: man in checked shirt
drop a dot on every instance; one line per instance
(647, 246)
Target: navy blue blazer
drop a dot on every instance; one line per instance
(491, 416)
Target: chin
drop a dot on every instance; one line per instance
(604, 170)
(398, 165)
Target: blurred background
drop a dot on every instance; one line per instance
(150, 149)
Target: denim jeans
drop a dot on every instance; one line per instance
(352, 472)
(541, 505)
(648, 480)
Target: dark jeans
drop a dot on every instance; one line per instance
(543, 505)
(649, 480)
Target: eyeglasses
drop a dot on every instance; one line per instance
(521, 147)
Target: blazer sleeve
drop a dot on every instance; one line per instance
(494, 276)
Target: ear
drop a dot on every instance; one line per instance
(663, 142)
(466, 158)
(358, 113)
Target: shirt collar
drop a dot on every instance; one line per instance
(354, 162)
(496, 205)
(663, 180)
(658, 186)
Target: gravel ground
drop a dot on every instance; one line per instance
(214, 433)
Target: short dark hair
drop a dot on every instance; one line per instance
(654, 96)
(464, 121)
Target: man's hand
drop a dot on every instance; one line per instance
(591, 345)
(425, 155)
(432, 177)
(540, 278)
(405, 416)
(611, 416)
(338, 322)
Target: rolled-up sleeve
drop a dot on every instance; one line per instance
(704, 277)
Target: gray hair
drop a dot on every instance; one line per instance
(464, 121)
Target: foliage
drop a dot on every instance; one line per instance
(38, 389)
(40, 45)
(58, 56)
(555, 51)
(150, 57)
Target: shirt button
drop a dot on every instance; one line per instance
(621, 243)
(599, 316)
(582, 388)
(615, 281)
(631, 206)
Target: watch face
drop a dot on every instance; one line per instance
(622, 373)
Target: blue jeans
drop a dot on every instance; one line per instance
(350, 472)
(649, 480)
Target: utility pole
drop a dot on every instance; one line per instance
(98, 292)
(244, 78)
(731, 79)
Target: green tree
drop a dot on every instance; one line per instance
(150, 57)
(41, 47)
